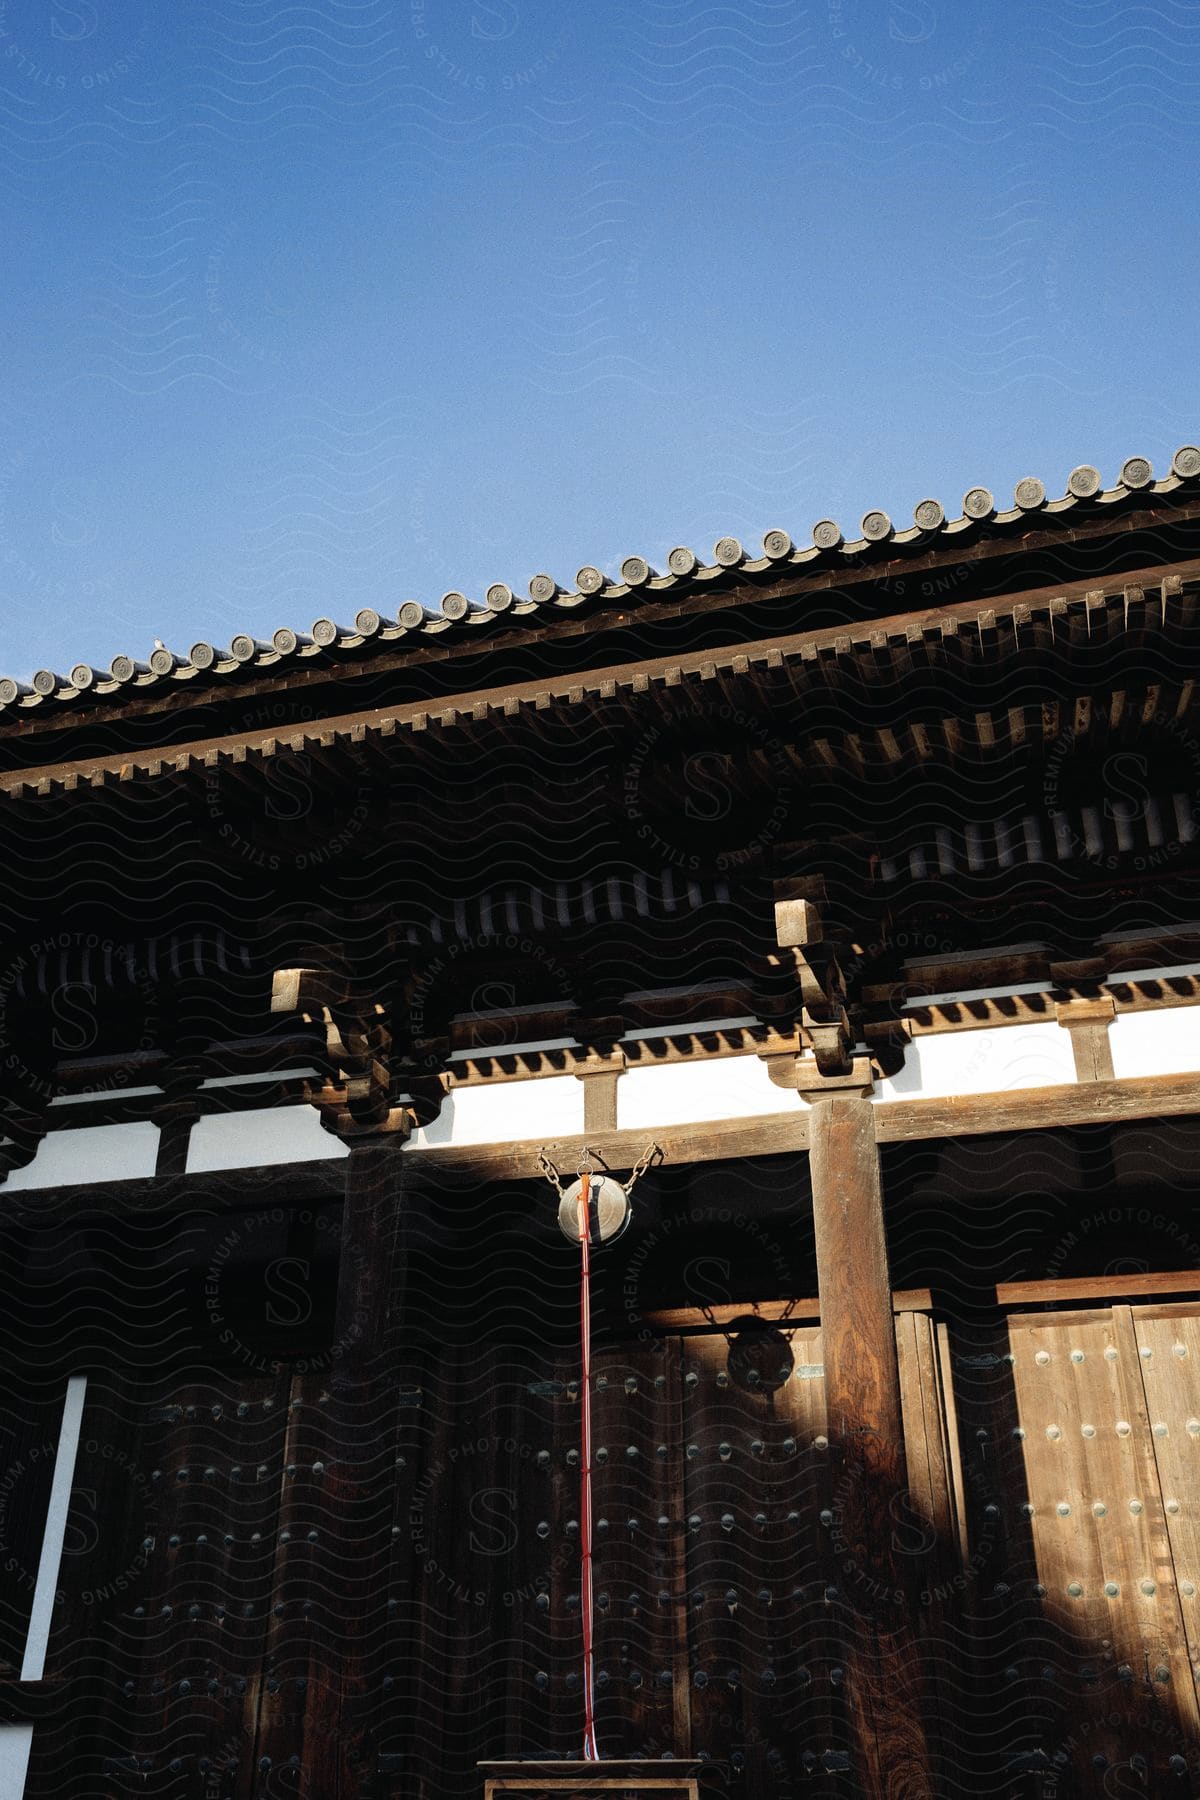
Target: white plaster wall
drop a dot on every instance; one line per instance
(695, 1093)
(90, 1153)
(1163, 1042)
(270, 1134)
(15, 1741)
(504, 1111)
(989, 1061)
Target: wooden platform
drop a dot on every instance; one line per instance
(622, 1778)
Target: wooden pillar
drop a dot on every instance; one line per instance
(862, 1388)
(346, 1425)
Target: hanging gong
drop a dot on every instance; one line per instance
(609, 1206)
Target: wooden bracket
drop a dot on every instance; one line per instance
(804, 1075)
(800, 929)
(358, 1038)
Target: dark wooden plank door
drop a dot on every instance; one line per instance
(1084, 1679)
(764, 1645)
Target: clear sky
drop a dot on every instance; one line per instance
(315, 304)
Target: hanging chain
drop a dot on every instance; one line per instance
(549, 1170)
(648, 1157)
(586, 1165)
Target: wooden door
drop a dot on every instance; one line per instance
(1078, 1632)
(484, 1629)
(772, 1592)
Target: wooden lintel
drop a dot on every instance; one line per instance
(691, 1321)
(719, 1140)
(1097, 1287)
(898, 1121)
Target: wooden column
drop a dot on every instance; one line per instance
(358, 1424)
(862, 1388)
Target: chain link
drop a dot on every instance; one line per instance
(549, 1170)
(648, 1157)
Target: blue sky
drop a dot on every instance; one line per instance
(307, 307)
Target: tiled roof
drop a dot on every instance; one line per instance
(457, 617)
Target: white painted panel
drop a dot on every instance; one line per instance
(504, 1111)
(15, 1741)
(989, 1061)
(696, 1093)
(272, 1134)
(91, 1153)
(1163, 1042)
(33, 1666)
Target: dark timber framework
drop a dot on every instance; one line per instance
(377, 871)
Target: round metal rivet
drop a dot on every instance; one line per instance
(1099, 1508)
(1148, 1587)
(1123, 1428)
(1160, 1430)
(1135, 1507)
(1074, 1589)
(1053, 1432)
(1088, 1431)
(1042, 1358)
(1063, 1510)
(1111, 1589)
(1077, 1356)
(1172, 1507)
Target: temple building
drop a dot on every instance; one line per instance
(828, 917)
